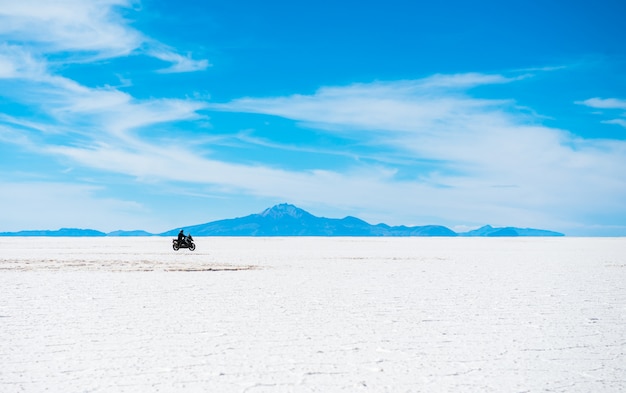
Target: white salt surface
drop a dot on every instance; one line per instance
(313, 314)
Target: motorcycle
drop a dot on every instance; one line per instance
(187, 242)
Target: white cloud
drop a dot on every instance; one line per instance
(117, 112)
(619, 122)
(69, 25)
(83, 31)
(609, 104)
(179, 63)
(466, 80)
(4, 118)
(17, 62)
(392, 106)
(479, 145)
(604, 103)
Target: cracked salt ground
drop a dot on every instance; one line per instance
(313, 314)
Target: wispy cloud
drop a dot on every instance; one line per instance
(89, 29)
(610, 105)
(619, 122)
(83, 31)
(604, 103)
(479, 144)
(17, 62)
(466, 80)
(179, 62)
(389, 106)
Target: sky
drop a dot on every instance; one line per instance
(155, 115)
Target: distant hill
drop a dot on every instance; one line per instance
(130, 233)
(70, 232)
(490, 231)
(289, 220)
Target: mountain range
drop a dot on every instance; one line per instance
(289, 220)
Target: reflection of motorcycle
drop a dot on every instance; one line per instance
(186, 243)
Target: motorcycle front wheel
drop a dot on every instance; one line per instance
(192, 246)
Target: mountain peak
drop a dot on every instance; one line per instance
(283, 210)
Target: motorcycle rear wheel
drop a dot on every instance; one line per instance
(175, 246)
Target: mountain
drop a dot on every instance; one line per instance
(490, 231)
(70, 232)
(288, 220)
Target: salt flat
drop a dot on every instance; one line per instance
(313, 314)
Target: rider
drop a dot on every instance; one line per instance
(181, 237)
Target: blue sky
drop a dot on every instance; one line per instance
(154, 115)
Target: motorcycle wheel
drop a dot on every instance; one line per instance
(175, 246)
(192, 246)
